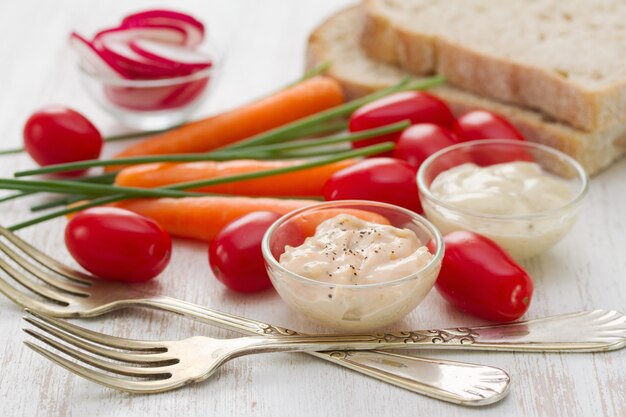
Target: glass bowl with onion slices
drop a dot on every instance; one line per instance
(353, 266)
(522, 195)
(151, 71)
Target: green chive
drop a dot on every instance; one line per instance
(322, 129)
(74, 187)
(134, 135)
(56, 202)
(319, 69)
(106, 178)
(16, 195)
(283, 133)
(370, 150)
(218, 155)
(11, 151)
(331, 140)
(113, 138)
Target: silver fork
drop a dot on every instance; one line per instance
(70, 293)
(166, 365)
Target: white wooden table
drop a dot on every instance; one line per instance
(265, 44)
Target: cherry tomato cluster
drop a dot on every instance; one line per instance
(391, 178)
(477, 276)
(236, 258)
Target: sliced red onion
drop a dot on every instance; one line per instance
(193, 27)
(187, 59)
(147, 45)
(162, 33)
(90, 55)
(139, 66)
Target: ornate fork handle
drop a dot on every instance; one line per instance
(451, 381)
(585, 331)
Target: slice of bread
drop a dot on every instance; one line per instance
(562, 57)
(337, 39)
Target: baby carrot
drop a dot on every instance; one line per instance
(305, 98)
(307, 182)
(203, 217)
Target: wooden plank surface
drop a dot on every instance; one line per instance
(265, 42)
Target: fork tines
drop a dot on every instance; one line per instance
(146, 363)
(49, 283)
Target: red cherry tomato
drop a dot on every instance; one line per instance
(419, 141)
(482, 124)
(235, 254)
(387, 180)
(117, 244)
(479, 277)
(57, 134)
(415, 106)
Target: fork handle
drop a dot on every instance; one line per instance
(584, 331)
(451, 381)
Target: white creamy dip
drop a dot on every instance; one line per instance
(512, 188)
(345, 254)
(508, 189)
(350, 251)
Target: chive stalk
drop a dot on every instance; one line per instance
(313, 72)
(75, 187)
(285, 132)
(370, 150)
(103, 179)
(219, 155)
(13, 196)
(319, 69)
(60, 201)
(112, 138)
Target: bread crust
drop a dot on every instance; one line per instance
(384, 42)
(594, 150)
(491, 76)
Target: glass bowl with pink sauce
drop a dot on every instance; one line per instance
(343, 306)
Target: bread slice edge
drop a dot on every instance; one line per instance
(491, 76)
(595, 150)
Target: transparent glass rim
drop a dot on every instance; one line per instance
(424, 189)
(273, 262)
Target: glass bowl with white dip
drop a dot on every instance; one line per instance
(371, 276)
(524, 196)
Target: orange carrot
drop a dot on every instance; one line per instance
(303, 99)
(308, 222)
(203, 217)
(308, 182)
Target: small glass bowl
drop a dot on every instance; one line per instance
(522, 236)
(352, 308)
(151, 104)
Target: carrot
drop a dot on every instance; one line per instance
(203, 217)
(303, 99)
(307, 182)
(308, 222)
